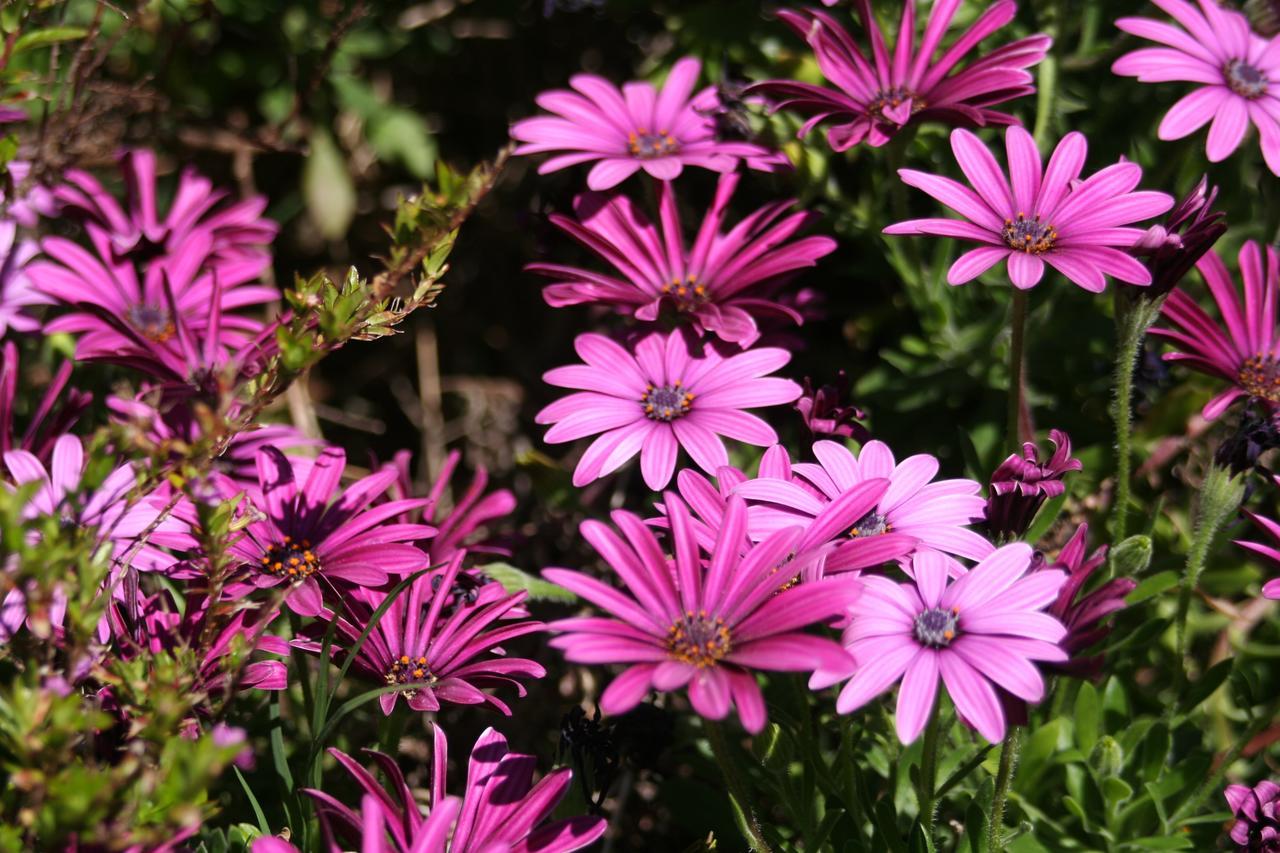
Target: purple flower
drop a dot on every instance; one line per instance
(705, 628)
(636, 128)
(722, 282)
(1083, 612)
(441, 646)
(1257, 826)
(935, 514)
(1191, 228)
(825, 412)
(666, 394)
(501, 809)
(1048, 215)
(310, 530)
(30, 201)
(872, 102)
(1021, 485)
(238, 232)
(16, 291)
(1244, 352)
(1270, 589)
(1238, 73)
(49, 419)
(982, 631)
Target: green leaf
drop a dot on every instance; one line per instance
(48, 36)
(1086, 719)
(1045, 518)
(253, 802)
(518, 580)
(1157, 584)
(1160, 842)
(327, 187)
(1206, 685)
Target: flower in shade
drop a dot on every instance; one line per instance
(1044, 215)
(635, 128)
(876, 98)
(1171, 250)
(1021, 485)
(722, 282)
(501, 808)
(139, 231)
(667, 393)
(1270, 589)
(1081, 612)
(16, 291)
(440, 648)
(825, 412)
(982, 631)
(51, 417)
(1243, 349)
(935, 514)
(1237, 72)
(312, 531)
(31, 200)
(703, 627)
(108, 294)
(1257, 825)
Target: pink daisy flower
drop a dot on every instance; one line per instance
(1270, 589)
(982, 631)
(1048, 215)
(707, 628)
(666, 394)
(635, 128)
(1239, 73)
(933, 513)
(722, 282)
(50, 416)
(1245, 352)
(875, 99)
(16, 291)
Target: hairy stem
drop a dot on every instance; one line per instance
(1132, 319)
(929, 773)
(1004, 776)
(738, 792)
(1017, 328)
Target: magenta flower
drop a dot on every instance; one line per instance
(935, 514)
(977, 633)
(1021, 484)
(238, 231)
(311, 531)
(16, 291)
(1082, 613)
(1238, 72)
(49, 419)
(1048, 215)
(636, 128)
(666, 394)
(722, 282)
(1244, 352)
(502, 809)
(707, 628)
(441, 648)
(875, 99)
(31, 200)
(1270, 589)
(1257, 825)
(826, 412)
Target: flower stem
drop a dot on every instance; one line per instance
(929, 773)
(1017, 328)
(1220, 496)
(1008, 762)
(747, 821)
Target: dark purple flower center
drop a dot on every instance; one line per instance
(893, 98)
(407, 670)
(644, 145)
(1029, 235)
(686, 293)
(290, 560)
(152, 321)
(666, 403)
(936, 627)
(1260, 376)
(698, 639)
(1245, 80)
(871, 524)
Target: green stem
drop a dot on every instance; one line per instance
(1008, 762)
(929, 773)
(1017, 328)
(733, 776)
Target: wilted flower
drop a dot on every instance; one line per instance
(1021, 485)
(875, 99)
(49, 419)
(1257, 826)
(825, 412)
(1257, 432)
(1172, 249)
(1083, 612)
(1048, 215)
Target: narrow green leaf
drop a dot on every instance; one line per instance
(1086, 718)
(253, 802)
(518, 580)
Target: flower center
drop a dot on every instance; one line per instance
(936, 627)
(152, 321)
(698, 639)
(1029, 235)
(1245, 80)
(666, 403)
(871, 524)
(293, 561)
(893, 98)
(686, 293)
(644, 145)
(1260, 376)
(407, 670)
